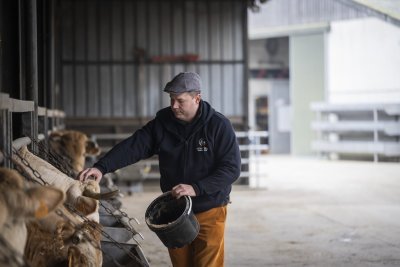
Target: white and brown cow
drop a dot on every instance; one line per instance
(82, 195)
(20, 202)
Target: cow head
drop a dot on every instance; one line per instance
(69, 242)
(19, 203)
(74, 146)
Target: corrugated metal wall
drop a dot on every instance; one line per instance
(290, 12)
(109, 48)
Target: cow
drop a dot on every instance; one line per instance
(20, 202)
(73, 146)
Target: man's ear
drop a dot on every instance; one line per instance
(198, 98)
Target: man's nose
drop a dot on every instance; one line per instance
(175, 104)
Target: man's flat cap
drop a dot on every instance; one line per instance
(184, 82)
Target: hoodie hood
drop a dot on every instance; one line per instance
(167, 119)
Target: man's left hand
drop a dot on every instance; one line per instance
(183, 190)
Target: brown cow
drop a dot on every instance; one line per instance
(20, 202)
(74, 146)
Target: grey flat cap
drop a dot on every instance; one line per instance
(184, 82)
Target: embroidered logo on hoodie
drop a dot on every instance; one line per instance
(203, 147)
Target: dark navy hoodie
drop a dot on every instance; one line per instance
(203, 153)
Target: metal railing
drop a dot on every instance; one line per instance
(34, 121)
(357, 129)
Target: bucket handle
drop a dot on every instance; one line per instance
(190, 200)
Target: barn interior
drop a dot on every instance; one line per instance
(99, 67)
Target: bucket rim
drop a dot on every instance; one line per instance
(164, 227)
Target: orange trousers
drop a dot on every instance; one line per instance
(207, 250)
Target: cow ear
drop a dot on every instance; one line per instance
(10, 179)
(92, 149)
(55, 136)
(86, 205)
(46, 199)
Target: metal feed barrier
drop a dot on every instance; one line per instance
(118, 245)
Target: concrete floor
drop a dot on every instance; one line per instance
(304, 212)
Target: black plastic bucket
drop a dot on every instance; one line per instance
(172, 220)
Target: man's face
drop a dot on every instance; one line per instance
(185, 105)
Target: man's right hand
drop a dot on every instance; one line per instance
(85, 174)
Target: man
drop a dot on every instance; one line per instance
(198, 157)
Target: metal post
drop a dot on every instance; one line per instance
(245, 68)
(52, 94)
(5, 140)
(22, 49)
(32, 65)
(376, 137)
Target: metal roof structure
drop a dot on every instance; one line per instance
(388, 10)
(278, 18)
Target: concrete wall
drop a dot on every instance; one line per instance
(306, 86)
(363, 61)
